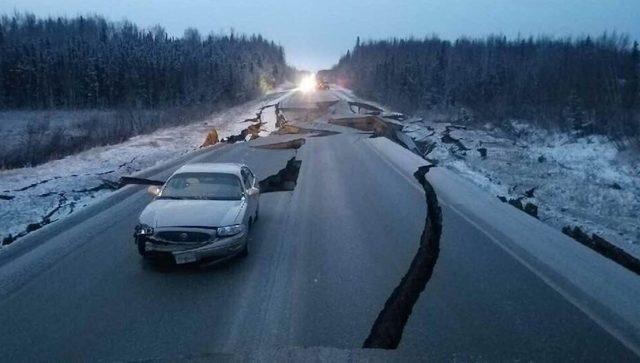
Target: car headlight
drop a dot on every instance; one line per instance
(144, 230)
(230, 230)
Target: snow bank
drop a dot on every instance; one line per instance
(575, 181)
(31, 197)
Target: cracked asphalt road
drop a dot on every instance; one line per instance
(324, 259)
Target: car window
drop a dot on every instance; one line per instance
(220, 186)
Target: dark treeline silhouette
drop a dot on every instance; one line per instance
(587, 84)
(89, 62)
(115, 80)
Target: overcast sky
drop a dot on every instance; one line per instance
(315, 33)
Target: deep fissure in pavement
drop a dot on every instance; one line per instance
(46, 219)
(252, 130)
(388, 327)
(285, 180)
(126, 180)
(289, 144)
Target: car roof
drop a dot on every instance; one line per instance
(226, 168)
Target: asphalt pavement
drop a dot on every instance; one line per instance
(323, 260)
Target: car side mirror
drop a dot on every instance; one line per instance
(153, 190)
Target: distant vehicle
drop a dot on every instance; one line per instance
(203, 211)
(322, 85)
(322, 79)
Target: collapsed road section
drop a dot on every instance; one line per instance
(285, 180)
(290, 144)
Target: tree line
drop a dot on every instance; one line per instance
(90, 62)
(591, 84)
(114, 80)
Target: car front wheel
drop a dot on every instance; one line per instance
(245, 250)
(141, 247)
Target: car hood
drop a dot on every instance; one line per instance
(192, 213)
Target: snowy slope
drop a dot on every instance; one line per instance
(576, 181)
(30, 197)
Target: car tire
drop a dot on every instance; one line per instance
(141, 247)
(245, 251)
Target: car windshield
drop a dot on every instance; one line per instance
(216, 186)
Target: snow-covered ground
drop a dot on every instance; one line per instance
(576, 181)
(34, 196)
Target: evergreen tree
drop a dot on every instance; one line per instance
(587, 81)
(89, 62)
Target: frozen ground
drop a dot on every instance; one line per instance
(573, 181)
(576, 181)
(32, 197)
(14, 123)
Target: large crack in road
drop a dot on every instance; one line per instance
(47, 218)
(284, 180)
(388, 327)
(252, 131)
(67, 199)
(290, 144)
(386, 332)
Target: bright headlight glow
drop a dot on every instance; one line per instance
(308, 83)
(144, 230)
(230, 230)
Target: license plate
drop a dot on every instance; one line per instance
(185, 258)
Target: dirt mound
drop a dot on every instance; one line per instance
(212, 138)
(254, 130)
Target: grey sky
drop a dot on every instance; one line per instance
(316, 33)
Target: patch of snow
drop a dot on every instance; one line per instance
(268, 119)
(576, 181)
(58, 188)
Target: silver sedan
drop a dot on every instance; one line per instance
(203, 211)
